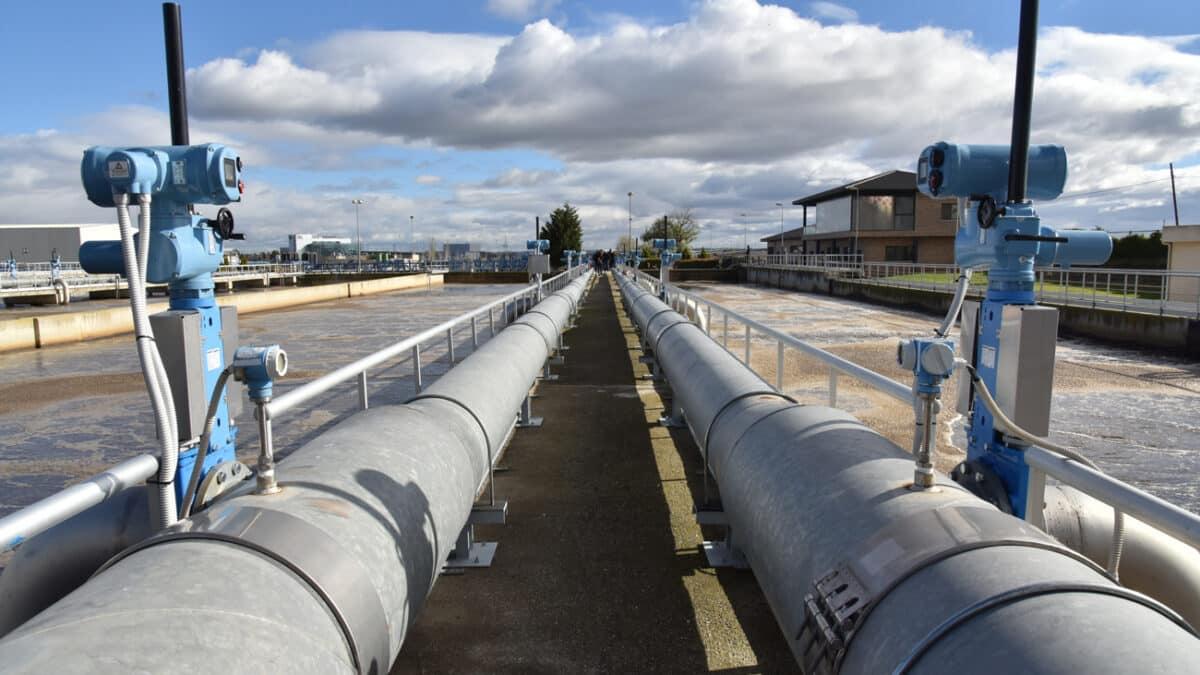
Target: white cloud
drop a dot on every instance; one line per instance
(428, 180)
(734, 108)
(520, 10)
(833, 12)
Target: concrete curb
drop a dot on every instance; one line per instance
(67, 328)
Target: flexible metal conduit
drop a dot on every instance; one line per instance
(326, 576)
(933, 581)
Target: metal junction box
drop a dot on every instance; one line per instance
(1025, 365)
(1024, 362)
(181, 345)
(539, 264)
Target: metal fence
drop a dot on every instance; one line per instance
(1153, 511)
(1163, 292)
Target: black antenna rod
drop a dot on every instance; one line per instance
(1018, 159)
(176, 86)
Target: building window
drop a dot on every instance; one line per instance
(905, 210)
(950, 210)
(898, 254)
(832, 216)
(876, 212)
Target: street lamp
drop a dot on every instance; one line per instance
(745, 230)
(782, 244)
(629, 236)
(357, 234)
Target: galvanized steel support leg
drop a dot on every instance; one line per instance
(526, 418)
(547, 376)
(724, 553)
(676, 419)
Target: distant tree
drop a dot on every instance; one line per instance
(1136, 251)
(564, 230)
(624, 243)
(678, 225)
(703, 252)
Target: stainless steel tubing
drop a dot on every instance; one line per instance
(937, 581)
(327, 575)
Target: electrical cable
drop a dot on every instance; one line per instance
(163, 498)
(214, 402)
(1002, 420)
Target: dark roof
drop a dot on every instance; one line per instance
(787, 236)
(888, 181)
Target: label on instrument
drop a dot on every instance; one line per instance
(118, 168)
(213, 359)
(987, 357)
(178, 175)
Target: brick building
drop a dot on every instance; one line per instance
(882, 217)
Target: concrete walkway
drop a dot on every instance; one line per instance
(598, 569)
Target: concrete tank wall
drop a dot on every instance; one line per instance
(69, 327)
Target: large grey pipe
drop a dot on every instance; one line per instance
(326, 576)
(908, 581)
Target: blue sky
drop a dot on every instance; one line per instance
(501, 116)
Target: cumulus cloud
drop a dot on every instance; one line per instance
(833, 12)
(520, 10)
(735, 107)
(426, 179)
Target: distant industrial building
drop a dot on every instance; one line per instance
(298, 242)
(37, 243)
(460, 251)
(882, 217)
(1183, 255)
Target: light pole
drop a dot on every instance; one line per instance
(629, 236)
(745, 230)
(782, 244)
(412, 235)
(357, 234)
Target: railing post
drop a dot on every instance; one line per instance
(747, 361)
(1035, 498)
(491, 322)
(362, 391)
(450, 343)
(416, 359)
(474, 335)
(833, 382)
(779, 367)
(725, 335)
(708, 318)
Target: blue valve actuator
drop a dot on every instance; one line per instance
(186, 174)
(664, 244)
(538, 245)
(954, 170)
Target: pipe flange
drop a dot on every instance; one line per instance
(308, 552)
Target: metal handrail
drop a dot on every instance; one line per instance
(897, 390)
(320, 385)
(1154, 511)
(1116, 289)
(19, 526)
